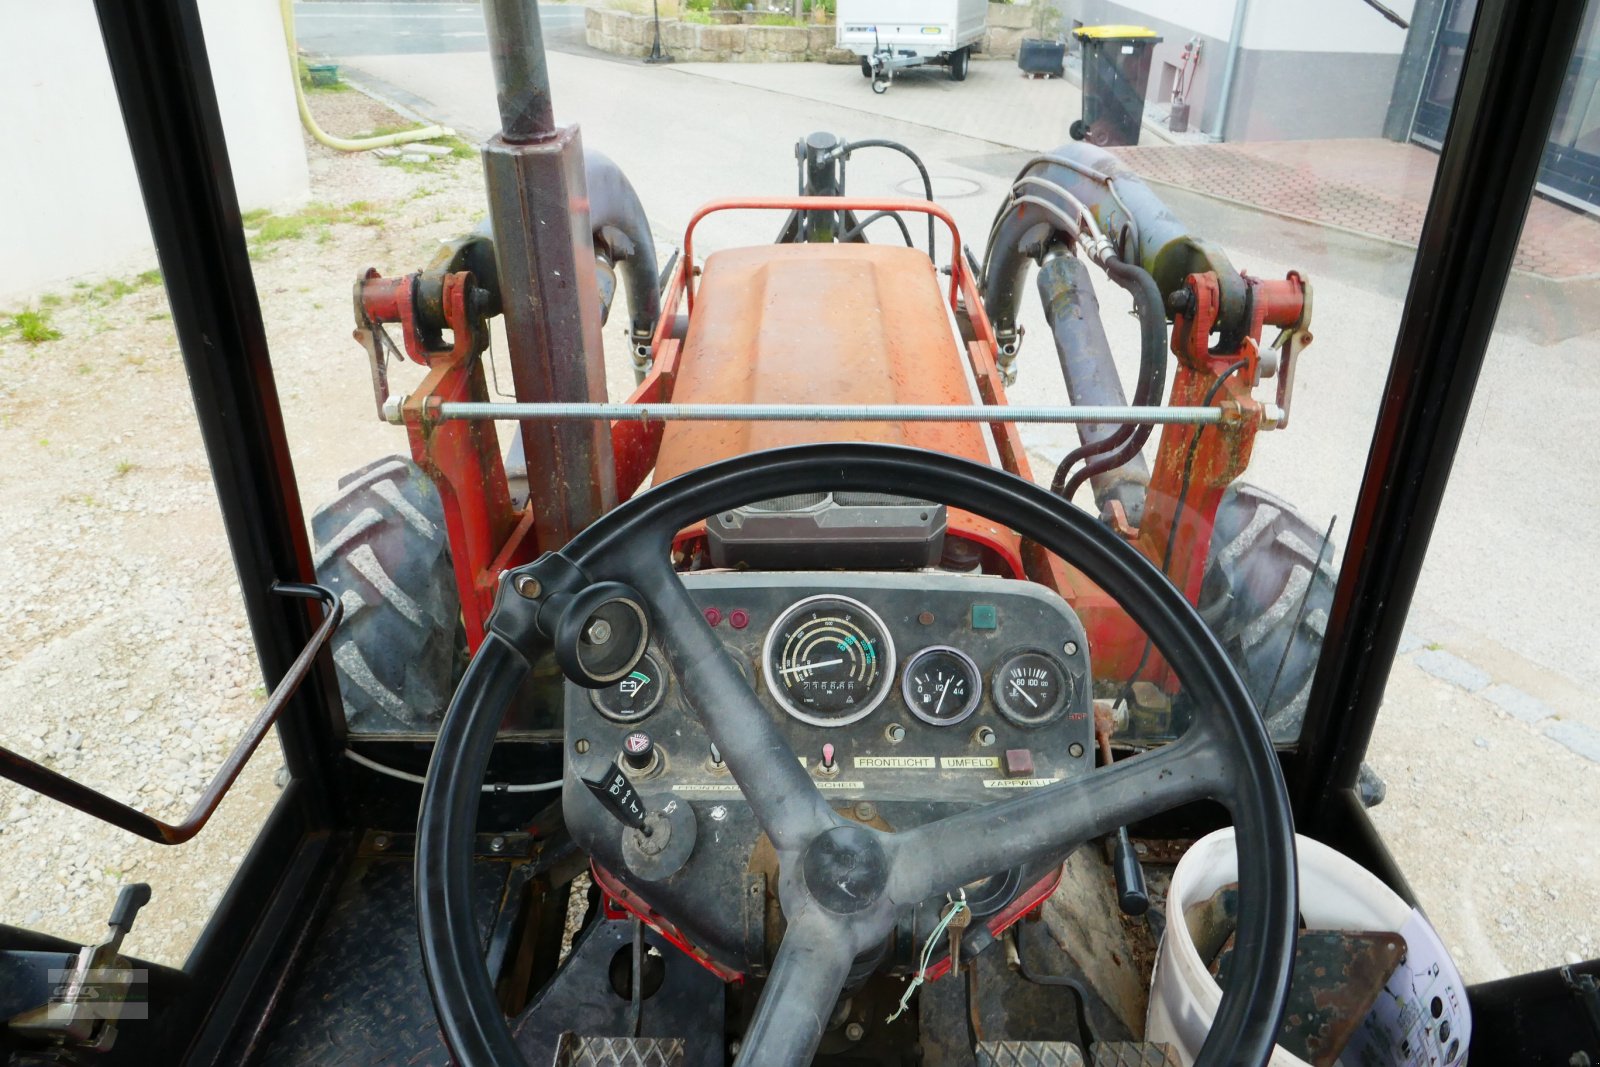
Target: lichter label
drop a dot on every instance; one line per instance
(963, 763)
(873, 763)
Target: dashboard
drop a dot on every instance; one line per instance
(908, 696)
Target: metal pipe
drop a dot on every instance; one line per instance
(521, 75)
(1090, 373)
(1235, 43)
(1191, 416)
(617, 221)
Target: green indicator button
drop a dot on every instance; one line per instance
(984, 617)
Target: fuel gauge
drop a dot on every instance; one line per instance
(941, 685)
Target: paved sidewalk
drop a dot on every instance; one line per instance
(1367, 185)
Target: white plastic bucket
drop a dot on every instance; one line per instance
(1335, 894)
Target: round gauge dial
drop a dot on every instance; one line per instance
(828, 660)
(941, 685)
(1030, 688)
(635, 696)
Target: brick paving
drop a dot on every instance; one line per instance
(1370, 186)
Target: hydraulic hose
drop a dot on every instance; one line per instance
(1126, 443)
(927, 182)
(342, 144)
(1091, 376)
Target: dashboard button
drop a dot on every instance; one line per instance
(1019, 763)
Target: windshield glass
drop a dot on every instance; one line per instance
(1198, 219)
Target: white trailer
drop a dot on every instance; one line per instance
(891, 35)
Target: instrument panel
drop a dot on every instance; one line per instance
(901, 686)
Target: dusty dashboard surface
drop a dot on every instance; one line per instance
(908, 696)
(892, 686)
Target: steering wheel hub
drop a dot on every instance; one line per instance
(846, 869)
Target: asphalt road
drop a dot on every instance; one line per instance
(342, 28)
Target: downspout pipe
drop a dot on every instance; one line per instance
(1241, 9)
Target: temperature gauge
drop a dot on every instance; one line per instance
(634, 696)
(941, 685)
(1030, 688)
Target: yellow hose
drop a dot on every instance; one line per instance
(342, 144)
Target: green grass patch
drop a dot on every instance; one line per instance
(113, 289)
(314, 220)
(778, 20)
(29, 325)
(126, 467)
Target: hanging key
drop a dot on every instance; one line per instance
(956, 926)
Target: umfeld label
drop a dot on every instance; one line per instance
(869, 763)
(950, 763)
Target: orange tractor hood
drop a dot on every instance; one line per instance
(817, 324)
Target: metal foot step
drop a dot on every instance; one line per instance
(580, 1051)
(1028, 1054)
(1135, 1054)
(1066, 1054)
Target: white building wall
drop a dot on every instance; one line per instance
(1289, 25)
(69, 201)
(1320, 26)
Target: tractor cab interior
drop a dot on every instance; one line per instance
(782, 712)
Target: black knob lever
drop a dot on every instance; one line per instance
(1132, 894)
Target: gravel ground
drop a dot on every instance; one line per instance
(125, 660)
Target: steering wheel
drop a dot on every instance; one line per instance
(842, 885)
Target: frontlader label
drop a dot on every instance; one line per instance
(870, 763)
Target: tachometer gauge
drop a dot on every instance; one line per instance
(828, 660)
(1030, 688)
(941, 685)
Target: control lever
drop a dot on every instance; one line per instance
(83, 1011)
(615, 791)
(1133, 896)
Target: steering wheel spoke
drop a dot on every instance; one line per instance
(786, 802)
(802, 988)
(1052, 820)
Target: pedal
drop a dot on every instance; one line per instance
(1028, 1054)
(583, 1051)
(1135, 1054)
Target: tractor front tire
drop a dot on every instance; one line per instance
(382, 548)
(866, 67)
(1266, 589)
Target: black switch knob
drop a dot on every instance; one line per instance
(638, 751)
(613, 789)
